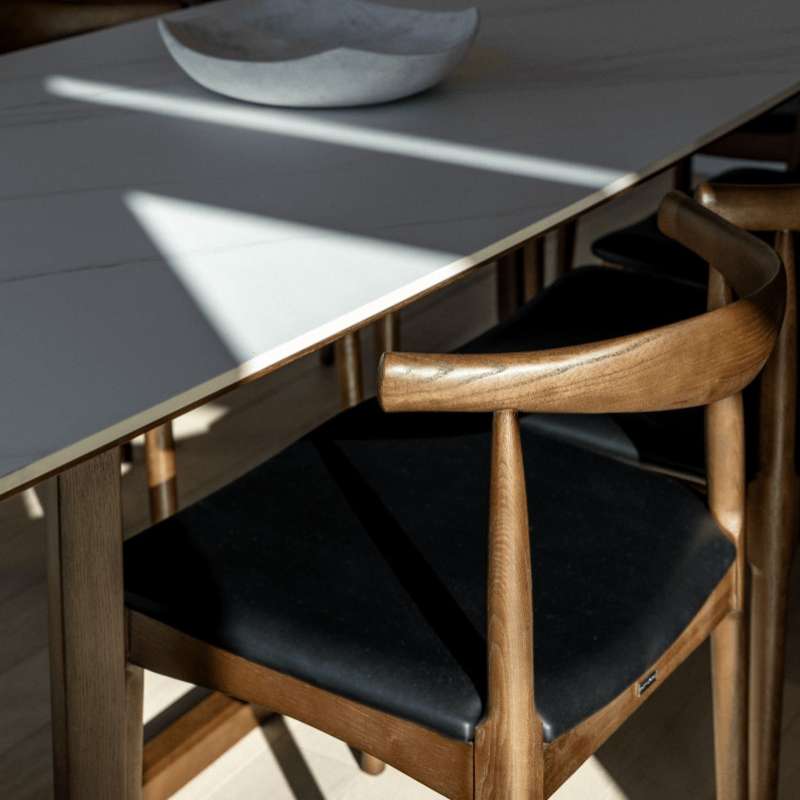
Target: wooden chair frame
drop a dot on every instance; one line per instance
(772, 494)
(689, 363)
(772, 510)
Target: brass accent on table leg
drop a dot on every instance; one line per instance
(387, 333)
(348, 359)
(531, 256)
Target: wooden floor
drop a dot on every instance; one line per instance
(665, 751)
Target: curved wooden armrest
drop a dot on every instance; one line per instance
(690, 363)
(754, 208)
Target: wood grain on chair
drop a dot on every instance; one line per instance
(705, 360)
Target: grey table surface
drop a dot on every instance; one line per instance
(161, 243)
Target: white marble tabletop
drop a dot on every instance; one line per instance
(161, 243)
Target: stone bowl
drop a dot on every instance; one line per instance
(318, 53)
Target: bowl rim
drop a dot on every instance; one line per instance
(167, 28)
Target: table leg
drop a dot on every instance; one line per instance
(134, 768)
(87, 630)
(387, 333)
(161, 474)
(348, 359)
(520, 276)
(509, 289)
(532, 261)
(198, 737)
(566, 236)
(771, 536)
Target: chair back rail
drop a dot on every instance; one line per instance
(706, 360)
(689, 363)
(767, 209)
(771, 495)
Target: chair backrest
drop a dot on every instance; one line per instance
(770, 209)
(705, 360)
(774, 437)
(689, 363)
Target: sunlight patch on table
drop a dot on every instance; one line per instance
(303, 282)
(298, 124)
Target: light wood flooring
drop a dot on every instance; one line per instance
(665, 751)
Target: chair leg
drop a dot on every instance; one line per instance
(387, 333)
(729, 677)
(769, 593)
(370, 764)
(348, 359)
(161, 475)
(771, 540)
(387, 339)
(773, 516)
(134, 732)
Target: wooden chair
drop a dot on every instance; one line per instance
(591, 302)
(346, 582)
(774, 136)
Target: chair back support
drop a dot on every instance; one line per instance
(689, 363)
(772, 528)
(705, 360)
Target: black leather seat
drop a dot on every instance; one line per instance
(591, 303)
(356, 560)
(643, 248)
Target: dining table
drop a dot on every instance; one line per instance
(162, 244)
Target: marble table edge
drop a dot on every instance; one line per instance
(37, 470)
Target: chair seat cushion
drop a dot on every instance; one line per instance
(591, 303)
(642, 247)
(356, 560)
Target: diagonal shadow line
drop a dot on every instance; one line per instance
(293, 765)
(420, 581)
